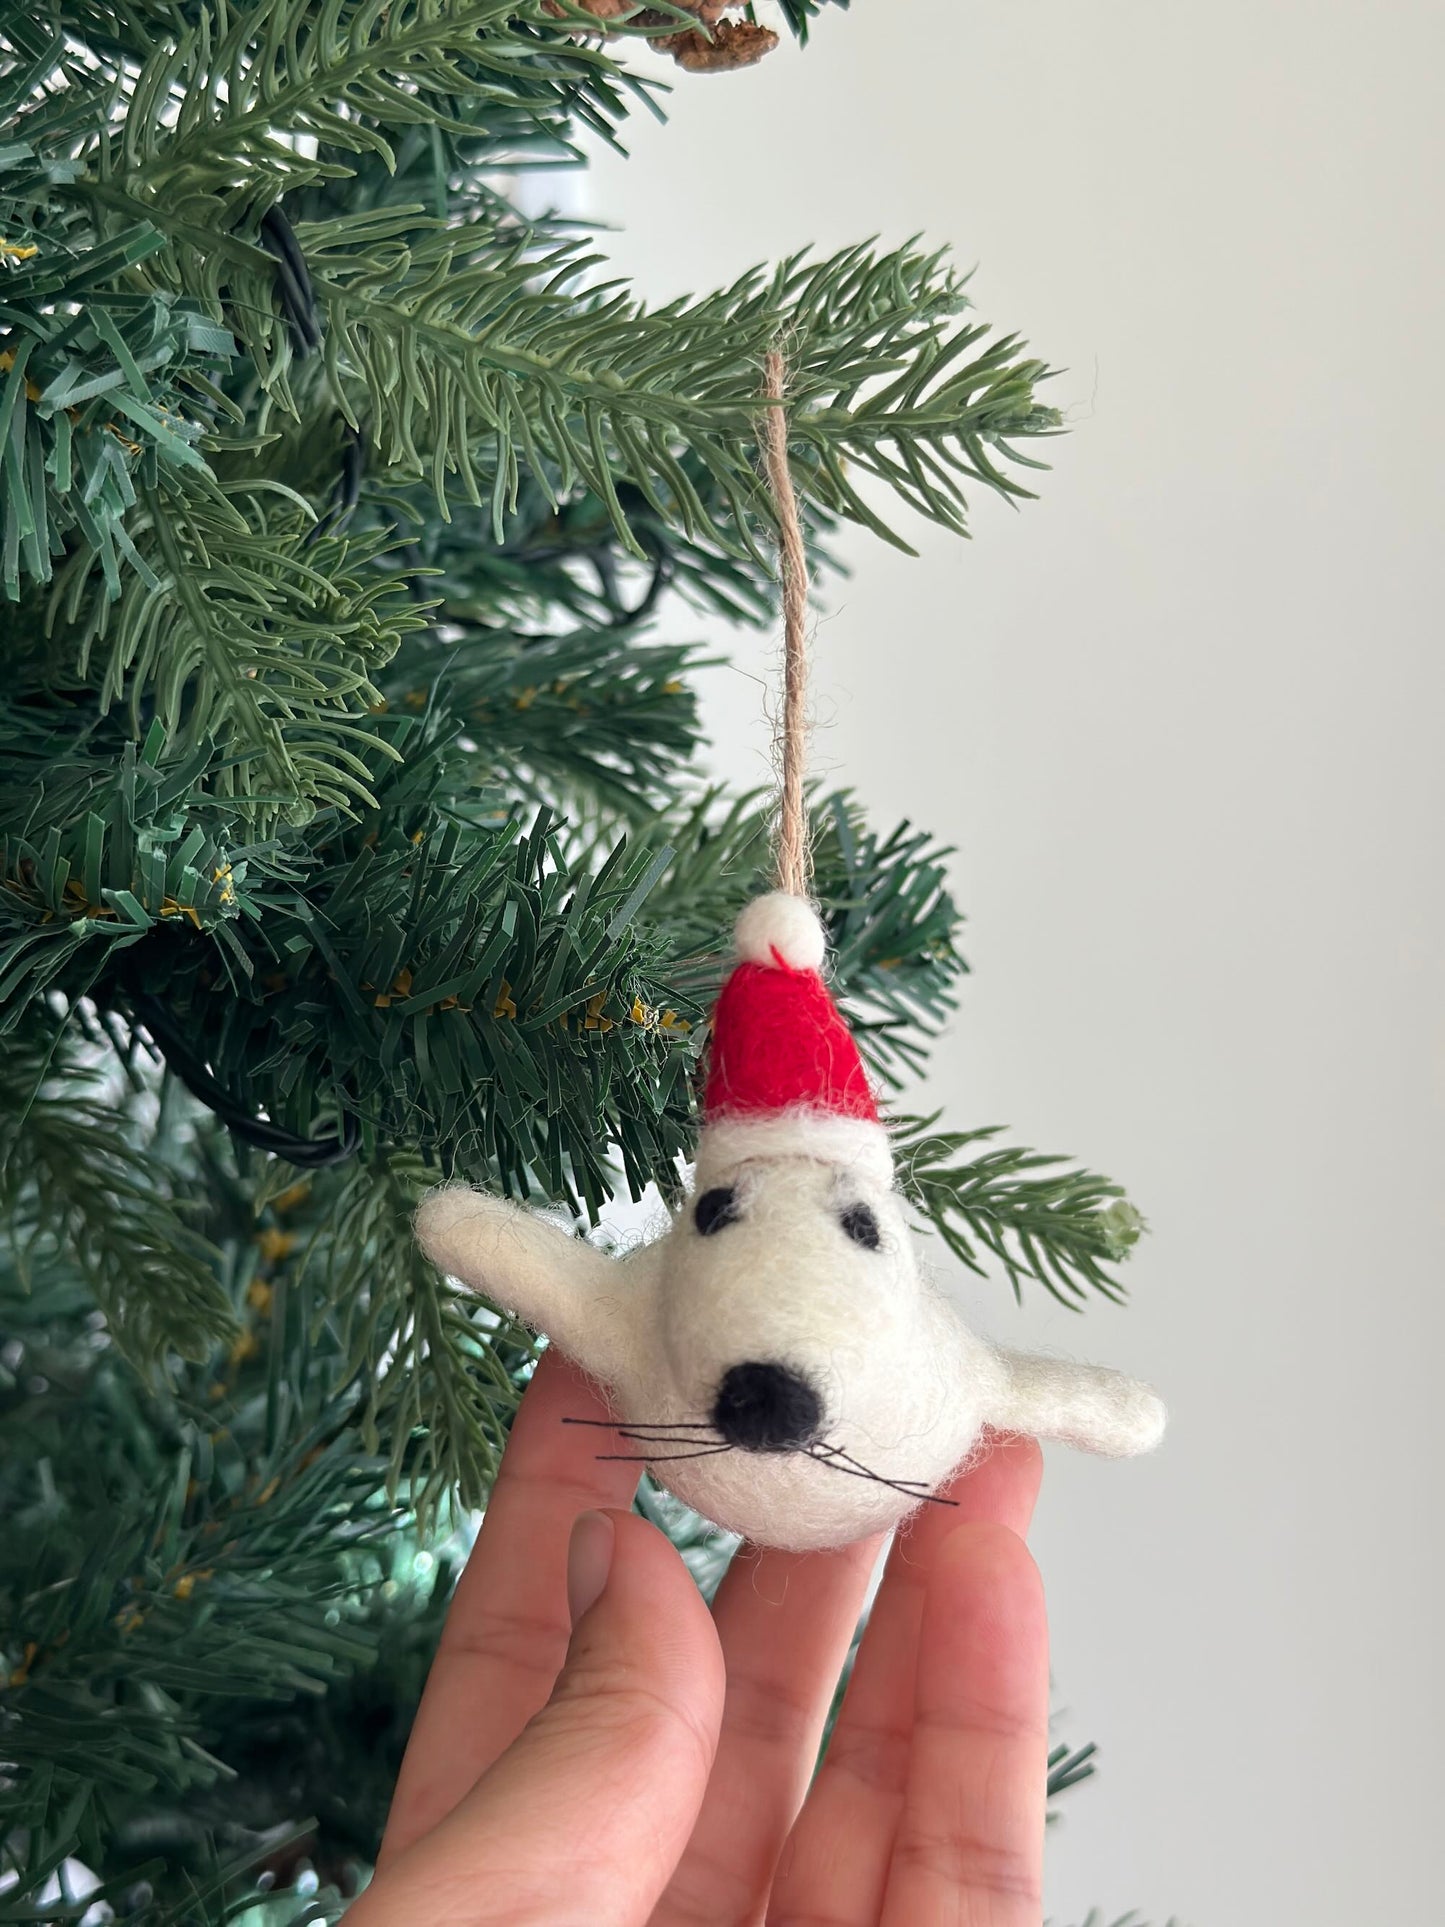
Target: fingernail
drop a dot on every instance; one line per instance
(589, 1560)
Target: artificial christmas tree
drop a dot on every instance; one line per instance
(352, 840)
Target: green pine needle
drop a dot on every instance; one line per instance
(250, 632)
(78, 1185)
(439, 1375)
(1062, 1228)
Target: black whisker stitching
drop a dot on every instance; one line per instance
(912, 1489)
(862, 1471)
(643, 1436)
(656, 1458)
(855, 1472)
(651, 1425)
(847, 1459)
(827, 1454)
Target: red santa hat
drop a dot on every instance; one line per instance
(784, 1075)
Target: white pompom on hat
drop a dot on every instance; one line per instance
(780, 930)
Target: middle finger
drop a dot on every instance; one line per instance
(785, 1621)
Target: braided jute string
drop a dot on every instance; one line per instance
(793, 856)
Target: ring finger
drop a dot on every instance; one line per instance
(835, 1865)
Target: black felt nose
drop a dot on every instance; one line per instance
(766, 1408)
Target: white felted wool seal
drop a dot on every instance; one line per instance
(778, 1357)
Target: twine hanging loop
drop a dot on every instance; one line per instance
(793, 857)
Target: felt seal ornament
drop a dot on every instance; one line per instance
(779, 1359)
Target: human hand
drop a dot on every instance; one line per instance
(654, 1763)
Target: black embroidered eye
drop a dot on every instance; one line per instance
(714, 1209)
(862, 1227)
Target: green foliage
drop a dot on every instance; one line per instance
(436, 1374)
(93, 404)
(249, 631)
(479, 352)
(82, 1199)
(590, 716)
(1069, 1766)
(1062, 1230)
(460, 341)
(175, 1554)
(800, 14)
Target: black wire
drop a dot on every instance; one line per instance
(309, 1154)
(293, 281)
(347, 492)
(661, 577)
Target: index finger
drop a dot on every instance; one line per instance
(507, 1629)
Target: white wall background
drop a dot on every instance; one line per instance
(1182, 718)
